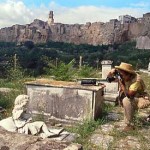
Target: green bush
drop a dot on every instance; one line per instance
(7, 99)
(85, 71)
(63, 71)
(15, 74)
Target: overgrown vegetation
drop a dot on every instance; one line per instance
(31, 58)
(63, 71)
(61, 60)
(85, 129)
(146, 79)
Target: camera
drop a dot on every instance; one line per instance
(116, 75)
(88, 82)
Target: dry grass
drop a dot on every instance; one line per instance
(146, 79)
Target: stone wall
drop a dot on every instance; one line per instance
(143, 42)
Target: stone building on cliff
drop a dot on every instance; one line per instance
(127, 28)
(146, 18)
(50, 18)
(127, 19)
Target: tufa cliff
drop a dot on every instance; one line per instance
(115, 31)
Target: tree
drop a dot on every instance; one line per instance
(29, 44)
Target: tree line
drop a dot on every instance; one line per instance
(38, 59)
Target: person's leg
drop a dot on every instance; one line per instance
(129, 112)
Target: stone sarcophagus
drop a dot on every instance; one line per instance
(65, 101)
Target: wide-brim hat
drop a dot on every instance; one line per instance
(126, 67)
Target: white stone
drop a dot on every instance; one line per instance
(107, 128)
(149, 66)
(102, 141)
(8, 124)
(106, 67)
(143, 42)
(21, 121)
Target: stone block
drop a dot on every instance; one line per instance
(110, 90)
(65, 101)
(149, 66)
(112, 87)
(106, 67)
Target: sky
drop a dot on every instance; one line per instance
(69, 11)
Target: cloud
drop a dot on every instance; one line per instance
(13, 12)
(85, 14)
(16, 12)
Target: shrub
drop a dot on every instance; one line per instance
(15, 74)
(29, 44)
(63, 71)
(85, 71)
(7, 100)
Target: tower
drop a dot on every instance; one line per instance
(50, 18)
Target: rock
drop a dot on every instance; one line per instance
(96, 33)
(71, 137)
(129, 142)
(74, 147)
(102, 141)
(2, 110)
(143, 42)
(58, 125)
(112, 116)
(5, 90)
(107, 128)
(15, 141)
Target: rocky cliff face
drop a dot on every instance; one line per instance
(97, 33)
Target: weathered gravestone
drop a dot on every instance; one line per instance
(149, 66)
(106, 67)
(111, 89)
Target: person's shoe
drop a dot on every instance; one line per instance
(129, 128)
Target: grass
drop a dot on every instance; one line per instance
(7, 102)
(7, 98)
(9, 84)
(136, 134)
(85, 130)
(88, 127)
(146, 79)
(16, 84)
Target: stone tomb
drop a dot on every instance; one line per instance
(111, 89)
(106, 67)
(65, 101)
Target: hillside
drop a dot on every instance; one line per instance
(97, 33)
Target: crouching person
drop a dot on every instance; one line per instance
(132, 87)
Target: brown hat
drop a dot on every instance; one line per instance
(126, 67)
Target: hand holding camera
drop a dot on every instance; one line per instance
(113, 75)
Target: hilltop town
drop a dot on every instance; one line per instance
(126, 28)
